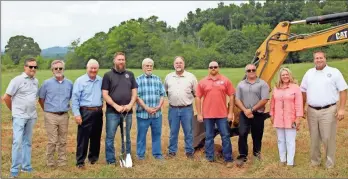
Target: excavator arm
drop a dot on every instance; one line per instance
(274, 50)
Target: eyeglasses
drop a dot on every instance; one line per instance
(60, 68)
(213, 67)
(251, 70)
(31, 67)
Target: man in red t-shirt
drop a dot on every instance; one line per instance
(213, 89)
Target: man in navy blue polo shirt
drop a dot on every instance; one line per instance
(120, 93)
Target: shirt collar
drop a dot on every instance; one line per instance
(119, 72)
(26, 76)
(89, 79)
(57, 80)
(324, 69)
(218, 77)
(147, 76)
(182, 75)
(257, 80)
(285, 87)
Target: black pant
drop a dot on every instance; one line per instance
(89, 132)
(256, 125)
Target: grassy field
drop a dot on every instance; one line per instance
(178, 167)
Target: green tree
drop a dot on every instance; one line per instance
(41, 62)
(20, 46)
(256, 34)
(229, 34)
(6, 60)
(334, 6)
(212, 34)
(235, 43)
(73, 61)
(95, 47)
(310, 9)
(126, 38)
(74, 44)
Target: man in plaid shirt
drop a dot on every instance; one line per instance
(149, 102)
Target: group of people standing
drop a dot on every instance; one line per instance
(322, 87)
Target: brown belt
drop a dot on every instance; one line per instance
(58, 113)
(180, 106)
(91, 108)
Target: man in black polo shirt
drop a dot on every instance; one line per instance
(120, 92)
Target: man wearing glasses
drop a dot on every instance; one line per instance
(251, 97)
(150, 100)
(55, 94)
(20, 98)
(214, 89)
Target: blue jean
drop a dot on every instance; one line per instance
(222, 125)
(185, 116)
(156, 130)
(112, 122)
(21, 146)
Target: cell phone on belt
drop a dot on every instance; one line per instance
(293, 125)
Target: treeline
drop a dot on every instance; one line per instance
(229, 34)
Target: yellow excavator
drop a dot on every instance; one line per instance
(274, 50)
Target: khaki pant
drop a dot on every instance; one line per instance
(57, 131)
(322, 128)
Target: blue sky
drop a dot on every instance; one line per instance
(59, 23)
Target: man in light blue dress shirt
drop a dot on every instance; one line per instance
(55, 95)
(87, 104)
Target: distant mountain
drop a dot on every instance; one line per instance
(54, 51)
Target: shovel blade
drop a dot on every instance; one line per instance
(122, 162)
(129, 162)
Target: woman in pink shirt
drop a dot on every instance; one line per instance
(286, 112)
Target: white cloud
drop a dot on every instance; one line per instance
(59, 23)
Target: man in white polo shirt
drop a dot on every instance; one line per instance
(322, 88)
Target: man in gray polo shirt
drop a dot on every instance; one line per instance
(20, 98)
(251, 97)
(55, 94)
